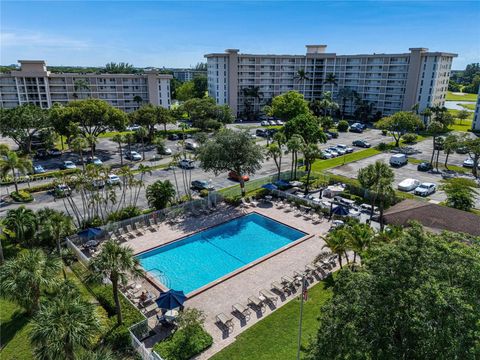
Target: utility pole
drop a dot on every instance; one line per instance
(302, 295)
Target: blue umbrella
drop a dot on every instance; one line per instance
(171, 299)
(269, 186)
(340, 210)
(283, 184)
(90, 233)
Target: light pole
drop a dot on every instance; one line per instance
(302, 295)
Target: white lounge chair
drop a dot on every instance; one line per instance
(130, 231)
(151, 225)
(242, 310)
(256, 302)
(253, 202)
(279, 287)
(267, 294)
(226, 321)
(288, 281)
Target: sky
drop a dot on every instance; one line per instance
(179, 33)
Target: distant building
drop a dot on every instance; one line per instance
(34, 84)
(391, 82)
(476, 115)
(187, 74)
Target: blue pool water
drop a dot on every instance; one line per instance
(201, 258)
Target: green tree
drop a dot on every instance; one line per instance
(138, 99)
(473, 147)
(23, 278)
(414, 298)
(399, 124)
(204, 113)
(80, 85)
(288, 105)
(160, 194)
(360, 237)
(142, 133)
(22, 123)
(119, 68)
(463, 115)
(435, 128)
(231, 150)
(294, 145)
(119, 139)
(78, 144)
(116, 263)
(331, 79)
(63, 325)
(23, 223)
(307, 126)
(427, 114)
(251, 95)
(344, 94)
(185, 91)
(12, 163)
(460, 193)
(450, 145)
(200, 86)
(338, 243)
(275, 152)
(311, 152)
(302, 76)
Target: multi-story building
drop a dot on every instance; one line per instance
(187, 74)
(476, 115)
(391, 82)
(33, 83)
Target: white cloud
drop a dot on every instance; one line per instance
(14, 39)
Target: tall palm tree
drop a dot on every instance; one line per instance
(344, 94)
(11, 162)
(294, 145)
(119, 139)
(359, 238)
(274, 152)
(252, 92)
(302, 76)
(435, 128)
(138, 99)
(79, 143)
(22, 222)
(450, 144)
(80, 85)
(63, 325)
(116, 263)
(311, 152)
(160, 193)
(331, 79)
(427, 114)
(337, 242)
(142, 133)
(23, 278)
(4, 234)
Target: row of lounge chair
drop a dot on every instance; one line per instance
(287, 285)
(135, 230)
(307, 213)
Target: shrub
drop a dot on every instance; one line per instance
(233, 200)
(39, 188)
(384, 147)
(203, 193)
(342, 126)
(125, 213)
(91, 222)
(409, 138)
(21, 196)
(384, 132)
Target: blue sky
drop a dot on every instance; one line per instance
(178, 34)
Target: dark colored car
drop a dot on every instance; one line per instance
(202, 185)
(261, 133)
(356, 129)
(361, 143)
(424, 166)
(41, 154)
(333, 134)
(173, 137)
(54, 152)
(329, 137)
(462, 150)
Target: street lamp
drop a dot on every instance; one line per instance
(302, 297)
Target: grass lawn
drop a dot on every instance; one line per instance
(465, 125)
(110, 134)
(441, 165)
(320, 165)
(15, 332)
(275, 337)
(467, 106)
(464, 97)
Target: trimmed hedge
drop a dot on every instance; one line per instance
(39, 188)
(21, 196)
(50, 174)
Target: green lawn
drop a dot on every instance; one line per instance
(464, 97)
(14, 331)
(110, 134)
(468, 106)
(320, 165)
(275, 337)
(440, 165)
(465, 125)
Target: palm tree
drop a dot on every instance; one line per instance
(344, 94)
(337, 242)
(103, 353)
(360, 237)
(119, 139)
(79, 143)
(435, 128)
(331, 79)
(80, 85)
(302, 76)
(63, 325)
(138, 99)
(22, 222)
(4, 234)
(129, 139)
(10, 161)
(426, 113)
(116, 263)
(142, 133)
(23, 278)
(311, 152)
(274, 152)
(294, 145)
(252, 92)
(160, 193)
(450, 144)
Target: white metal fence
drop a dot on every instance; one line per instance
(138, 332)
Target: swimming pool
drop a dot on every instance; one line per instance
(198, 259)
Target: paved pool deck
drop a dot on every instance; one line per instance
(221, 297)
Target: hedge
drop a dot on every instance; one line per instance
(50, 174)
(21, 196)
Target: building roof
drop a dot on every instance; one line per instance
(433, 216)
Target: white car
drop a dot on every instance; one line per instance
(190, 145)
(279, 122)
(340, 151)
(264, 123)
(332, 152)
(113, 179)
(68, 165)
(425, 189)
(408, 185)
(345, 148)
(272, 122)
(468, 163)
(133, 127)
(186, 164)
(167, 151)
(133, 155)
(325, 155)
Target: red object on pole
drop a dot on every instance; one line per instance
(305, 294)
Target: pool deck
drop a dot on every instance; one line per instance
(220, 298)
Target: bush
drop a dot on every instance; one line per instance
(233, 200)
(21, 196)
(409, 138)
(342, 126)
(384, 132)
(384, 147)
(203, 193)
(125, 213)
(39, 188)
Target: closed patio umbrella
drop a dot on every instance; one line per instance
(269, 186)
(340, 210)
(90, 233)
(171, 299)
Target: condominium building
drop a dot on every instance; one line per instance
(476, 115)
(33, 83)
(391, 82)
(187, 74)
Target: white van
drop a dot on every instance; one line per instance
(398, 160)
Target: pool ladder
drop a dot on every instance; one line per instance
(161, 276)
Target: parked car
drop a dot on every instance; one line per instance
(367, 208)
(328, 136)
(190, 145)
(54, 152)
(333, 151)
(340, 151)
(325, 155)
(468, 162)
(133, 127)
(98, 183)
(261, 133)
(186, 164)
(425, 189)
(264, 123)
(95, 161)
(41, 154)
(234, 176)
(133, 155)
(333, 134)
(166, 151)
(424, 166)
(113, 179)
(462, 150)
(398, 160)
(279, 122)
(38, 169)
(202, 185)
(361, 143)
(62, 190)
(345, 148)
(173, 137)
(408, 185)
(272, 122)
(359, 125)
(356, 129)
(68, 165)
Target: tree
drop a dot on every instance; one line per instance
(473, 147)
(119, 139)
(231, 150)
(185, 91)
(22, 123)
(63, 325)
(275, 152)
(200, 86)
(414, 298)
(399, 124)
(160, 194)
(427, 114)
(344, 94)
(11, 162)
(138, 99)
(119, 68)
(377, 178)
(205, 114)
(360, 237)
(460, 193)
(449, 145)
(23, 223)
(311, 152)
(116, 263)
(331, 79)
(249, 93)
(80, 85)
(337, 242)
(307, 126)
(164, 117)
(435, 128)
(23, 278)
(142, 133)
(294, 145)
(288, 105)
(463, 115)
(302, 76)
(78, 143)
